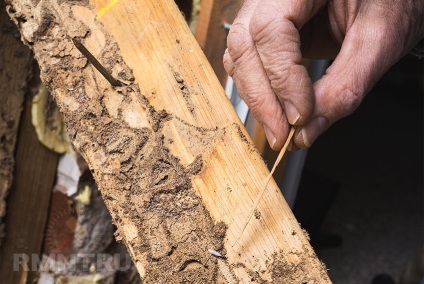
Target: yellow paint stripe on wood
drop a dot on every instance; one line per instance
(106, 8)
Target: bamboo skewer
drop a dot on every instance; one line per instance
(266, 181)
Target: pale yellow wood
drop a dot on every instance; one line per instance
(266, 181)
(231, 163)
(173, 73)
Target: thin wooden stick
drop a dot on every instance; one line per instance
(261, 193)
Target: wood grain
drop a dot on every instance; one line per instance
(240, 168)
(15, 70)
(210, 32)
(169, 154)
(27, 168)
(28, 201)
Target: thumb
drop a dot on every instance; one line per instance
(365, 56)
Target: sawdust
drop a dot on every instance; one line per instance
(185, 92)
(148, 191)
(279, 270)
(306, 234)
(284, 272)
(252, 148)
(254, 276)
(198, 140)
(257, 214)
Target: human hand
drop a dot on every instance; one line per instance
(269, 37)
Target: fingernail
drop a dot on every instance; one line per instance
(292, 113)
(270, 136)
(289, 147)
(313, 129)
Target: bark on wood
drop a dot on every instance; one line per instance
(167, 150)
(15, 70)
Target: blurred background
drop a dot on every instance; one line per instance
(361, 192)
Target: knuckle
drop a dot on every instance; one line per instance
(278, 77)
(347, 101)
(392, 37)
(263, 27)
(239, 41)
(257, 103)
(386, 34)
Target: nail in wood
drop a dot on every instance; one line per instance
(96, 63)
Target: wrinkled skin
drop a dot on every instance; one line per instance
(269, 38)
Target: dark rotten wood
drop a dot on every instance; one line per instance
(28, 201)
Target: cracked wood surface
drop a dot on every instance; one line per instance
(170, 156)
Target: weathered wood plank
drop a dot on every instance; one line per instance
(28, 201)
(15, 70)
(27, 168)
(30, 187)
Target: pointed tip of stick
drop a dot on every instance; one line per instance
(266, 181)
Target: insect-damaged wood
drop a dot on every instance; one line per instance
(169, 154)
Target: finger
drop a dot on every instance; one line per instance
(243, 62)
(228, 63)
(292, 147)
(265, 108)
(365, 56)
(274, 27)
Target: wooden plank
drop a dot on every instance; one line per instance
(28, 201)
(212, 37)
(30, 184)
(210, 32)
(169, 154)
(15, 70)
